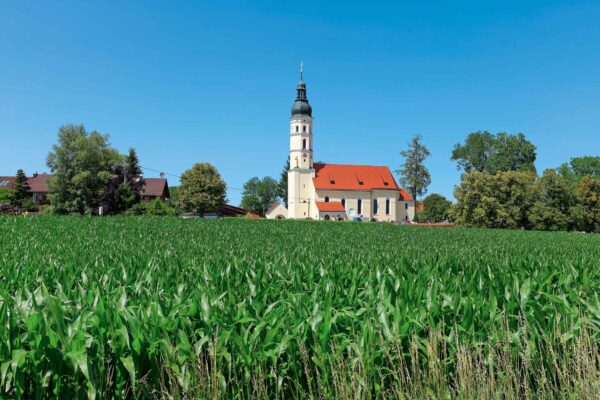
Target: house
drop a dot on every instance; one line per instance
(336, 191)
(155, 188)
(38, 186)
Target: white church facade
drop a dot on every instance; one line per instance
(336, 191)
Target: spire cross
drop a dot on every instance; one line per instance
(300, 70)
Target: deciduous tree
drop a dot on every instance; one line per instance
(202, 189)
(82, 164)
(259, 194)
(436, 208)
(484, 152)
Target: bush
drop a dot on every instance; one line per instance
(29, 205)
(159, 207)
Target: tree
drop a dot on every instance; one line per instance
(494, 201)
(282, 186)
(6, 196)
(586, 213)
(259, 194)
(82, 164)
(436, 208)
(202, 189)
(413, 174)
(555, 197)
(124, 189)
(484, 152)
(21, 189)
(174, 196)
(579, 167)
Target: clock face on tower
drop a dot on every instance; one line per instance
(304, 155)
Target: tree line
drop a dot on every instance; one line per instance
(500, 187)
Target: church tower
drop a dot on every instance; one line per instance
(301, 173)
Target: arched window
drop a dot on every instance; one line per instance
(406, 205)
(326, 199)
(375, 206)
(304, 128)
(387, 206)
(327, 217)
(304, 143)
(296, 128)
(359, 206)
(344, 202)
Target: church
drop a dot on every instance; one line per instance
(336, 191)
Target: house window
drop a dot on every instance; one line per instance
(375, 206)
(304, 128)
(387, 206)
(326, 199)
(304, 143)
(344, 202)
(359, 207)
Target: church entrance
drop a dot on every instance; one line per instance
(326, 217)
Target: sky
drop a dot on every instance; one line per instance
(186, 82)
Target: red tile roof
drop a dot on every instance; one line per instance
(37, 184)
(333, 206)
(356, 177)
(154, 187)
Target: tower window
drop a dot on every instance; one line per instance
(375, 206)
(359, 207)
(344, 202)
(326, 199)
(406, 206)
(304, 143)
(296, 128)
(387, 206)
(304, 128)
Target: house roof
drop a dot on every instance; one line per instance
(356, 177)
(334, 206)
(155, 187)
(37, 183)
(273, 207)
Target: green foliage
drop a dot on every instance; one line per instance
(202, 189)
(555, 198)
(82, 164)
(494, 201)
(437, 209)
(485, 152)
(586, 213)
(170, 308)
(29, 205)
(6, 196)
(20, 189)
(174, 196)
(259, 194)
(414, 175)
(159, 207)
(579, 167)
(282, 187)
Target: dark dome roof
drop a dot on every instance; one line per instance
(301, 107)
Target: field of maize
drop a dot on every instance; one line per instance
(142, 307)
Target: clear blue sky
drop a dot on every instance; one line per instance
(187, 82)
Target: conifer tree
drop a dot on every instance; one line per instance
(20, 189)
(282, 186)
(413, 173)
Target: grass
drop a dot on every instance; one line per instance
(170, 308)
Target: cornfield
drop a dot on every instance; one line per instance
(128, 307)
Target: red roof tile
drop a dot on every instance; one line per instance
(154, 187)
(39, 183)
(356, 177)
(334, 206)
